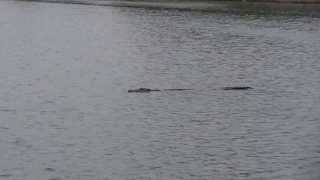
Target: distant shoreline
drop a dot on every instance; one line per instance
(194, 2)
(295, 7)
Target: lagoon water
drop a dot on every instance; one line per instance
(65, 112)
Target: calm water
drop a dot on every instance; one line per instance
(66, 114)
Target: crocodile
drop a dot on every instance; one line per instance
(147, 90)
(237, 88)
(142, 90)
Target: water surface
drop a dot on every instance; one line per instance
(66, 114)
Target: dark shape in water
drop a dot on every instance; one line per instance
(5, 175)
(147, 90)
(49, 169)
(177, 89)
(237, 88)
(142, 90)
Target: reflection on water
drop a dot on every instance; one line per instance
(66, 114)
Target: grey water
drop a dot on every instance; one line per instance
(65, 112)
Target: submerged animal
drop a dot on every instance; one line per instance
(142, 90)
(237, 88)
(147, 90)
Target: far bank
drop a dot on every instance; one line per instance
(274, 7)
